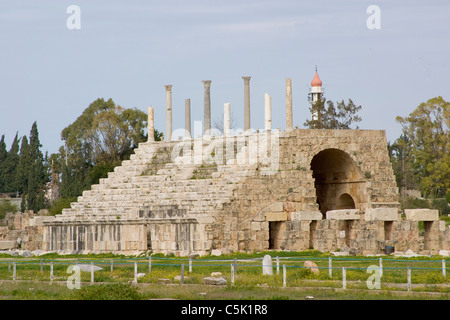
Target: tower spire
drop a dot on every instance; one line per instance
(315, 92)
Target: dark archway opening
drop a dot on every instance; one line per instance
(337, 179)
(275, 228)
(345, 201)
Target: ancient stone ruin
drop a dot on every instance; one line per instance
(296, 189)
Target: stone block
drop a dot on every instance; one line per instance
(441, 225)
(276, 207)
(39, 221)
(381, 214)
(215, 281)
(276, 216)
(422, 214)
(306, 215)
(7, 244)
(256, 226)
(344, 214)
(444, 253)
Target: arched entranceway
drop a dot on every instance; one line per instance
(345, 201)
(338, 181)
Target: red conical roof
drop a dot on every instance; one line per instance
(316, 82)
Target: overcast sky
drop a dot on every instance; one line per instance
(128, 51)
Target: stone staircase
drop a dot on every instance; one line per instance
(151, 179)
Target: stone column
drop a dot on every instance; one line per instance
(289, 124)
(267, 112)
(226, 119)
(187, 118)
(207, 107)
(168, 112)
(246, 103)
(151, 124)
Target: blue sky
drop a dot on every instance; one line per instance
(128, 51)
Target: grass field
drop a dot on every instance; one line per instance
(32, 280)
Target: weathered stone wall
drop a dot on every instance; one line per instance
(33, 238)
(321, 189)
(107, 236)
(367, 177)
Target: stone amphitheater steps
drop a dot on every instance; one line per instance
(150, 179)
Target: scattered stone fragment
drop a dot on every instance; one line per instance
(312, 266)
(164, 281)
(178, 278)
(216, 274)
(214, 281)
(88, 267)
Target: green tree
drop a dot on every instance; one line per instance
(33, 165)
(100, 138)
(10, 167)
(104, 132)
(427, 129)
(3, 156)
(5, 207)
(23, 166)
(403, 165)
(330, 117)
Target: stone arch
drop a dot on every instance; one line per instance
(345, 201)
(336, 175)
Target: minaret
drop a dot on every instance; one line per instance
(316, 92)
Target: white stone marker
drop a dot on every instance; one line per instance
(330, 266)
(381, 267)
(267, 265)
(232, 275)
(408, 276)
(344, 279)
(443, 268)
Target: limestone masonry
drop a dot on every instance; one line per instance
(330, 189)
(249, 191)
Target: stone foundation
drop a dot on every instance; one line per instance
(293, 190)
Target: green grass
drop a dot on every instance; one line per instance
(249, 281)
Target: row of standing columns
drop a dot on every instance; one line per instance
(227, 111)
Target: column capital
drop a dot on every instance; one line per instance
(168, 87)
(206, 83)
(246, 79)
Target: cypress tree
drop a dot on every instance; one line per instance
(3, 156)
(37, 177)
(10, 167)
(23, 167)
